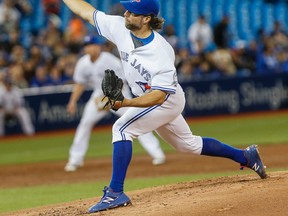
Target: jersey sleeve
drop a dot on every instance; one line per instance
(108, 26)
(166, 77)
(166, 82)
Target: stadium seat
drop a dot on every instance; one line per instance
(281, 14)
(267, 16)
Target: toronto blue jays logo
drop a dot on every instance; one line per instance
(144, 86)
(136, 1)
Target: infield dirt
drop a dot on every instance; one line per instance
(235, 195)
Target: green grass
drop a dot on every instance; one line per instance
(50, 148)
(56, 147)
(242, 131)
(236, 132)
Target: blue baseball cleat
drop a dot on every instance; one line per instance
(110, 200)
(252, 155)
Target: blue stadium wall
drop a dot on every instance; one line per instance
(205, 98)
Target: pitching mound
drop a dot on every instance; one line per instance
(236, 195)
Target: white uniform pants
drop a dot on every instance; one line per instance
(91, 116)
(166, 120)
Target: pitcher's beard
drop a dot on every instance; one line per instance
(132, 27)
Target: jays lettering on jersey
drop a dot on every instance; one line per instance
(142, 71)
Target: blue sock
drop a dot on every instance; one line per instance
(122, 154)
(213, 147)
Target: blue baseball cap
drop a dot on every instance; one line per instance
(91, 39)
(142, 7)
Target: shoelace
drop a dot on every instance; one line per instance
(105, 190)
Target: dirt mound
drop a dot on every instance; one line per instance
(236, 195)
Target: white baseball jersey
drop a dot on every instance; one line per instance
(141, 70)
(149, 67)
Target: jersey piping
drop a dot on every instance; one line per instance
(138, 42)
(168, 90)
(96, 23)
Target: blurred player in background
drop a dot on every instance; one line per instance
(90, 70)
(12, 106)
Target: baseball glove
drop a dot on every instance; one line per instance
(112, 89)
